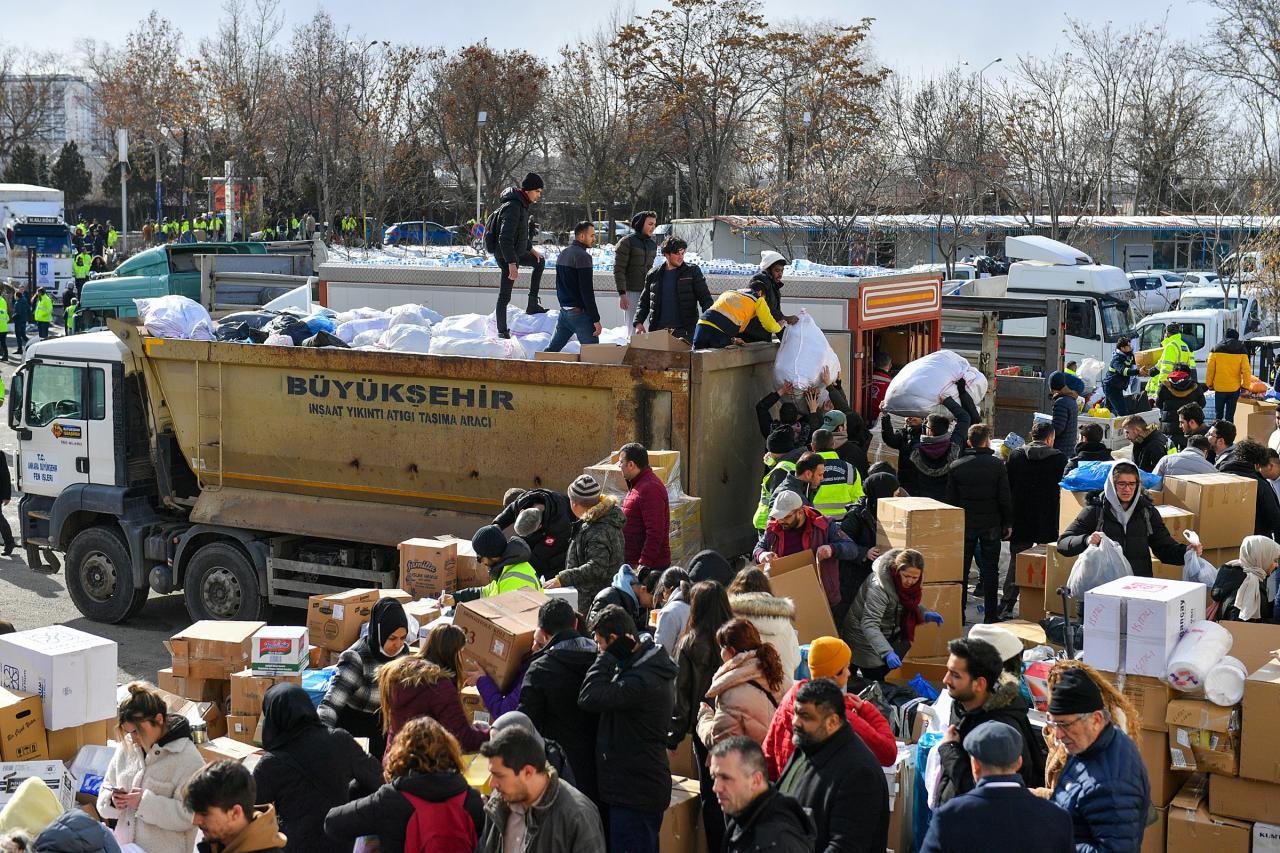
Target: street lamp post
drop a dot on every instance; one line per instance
(482, 118)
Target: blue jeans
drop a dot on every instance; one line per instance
(632, 831)
(573, 321)
(1225, 404)
(709, 337)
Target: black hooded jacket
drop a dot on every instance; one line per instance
(513, 226)
(1035, 470)
(1266, 515)
(1004, 704)
(772, 822)
(308, 769)
(549, 697)
(1173, 396)
(386, 812)
(859, 523)
(547, 544)
(764, 284)
(1144, 535)
(1089, 451)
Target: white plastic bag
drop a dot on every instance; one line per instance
(534, 324)
(921, 385)
(347, 331)
(278, 340)
(175, 317)
(412, 314)
(804, 355)
(1090, 372)
(1196, 654)
(478, 347)
(462, 326)
(366, 339)
(406, 338)
(535, 343)
(1195, 568)
(1099, 564)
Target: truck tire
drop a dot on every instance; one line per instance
(220, 583)
(100, 576)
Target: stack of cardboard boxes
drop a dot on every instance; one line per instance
(686, 510)
(936, 530)
(1255, 419)
(1223, 506)
(334, 621)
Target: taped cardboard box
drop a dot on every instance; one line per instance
(500, 631)
(1254, 419)
(931, 640)
(1244, 799)
(473, 705)
(279, 649)
(1150, 698)
(333, 621)
(1029, 567)
(1259, 746)
(51, 772)
(931, 527)
(1195, 830)
(470, 571)
(1224, 505)
(248, 689)
(212, 649)
(424, 612)
(196, 689)
(1146, 357)
(66, 744)
(1203, 737)
(226, 749)
(1164, 780)
(682, 830)
(22, 736)
(1134, 622)
(796, 577)
(428, 567)
(1176, 520)
(75, 670)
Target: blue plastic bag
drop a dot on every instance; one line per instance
(316, 683)
(922, 815)
(924, 688)
(1092, 476)
(321, 323)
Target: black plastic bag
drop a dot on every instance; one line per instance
(324, 339)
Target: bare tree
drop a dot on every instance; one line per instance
(28, 100)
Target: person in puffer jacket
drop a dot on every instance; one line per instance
(924, 460)
(595, 545)
(751, 597)
(428, 685)
(76, 832)
(1104, 785)
(1178, 389)
(1227, 374)
(829, 657)
(745, 689)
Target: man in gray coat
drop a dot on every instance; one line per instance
(533, 809)
(632, 260)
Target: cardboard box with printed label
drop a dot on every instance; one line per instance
(470, 571)
(428, 567)
(65, 744)
(1030, 567)
(1245, 799)
(1193, 829)
(51, 772)
(1259, 746)
(1203, 737)
(22, 736)
(931, 640)
(500, 631)
(1266, 837)
(333, 621)
(1164, 780)
(931, 527)
(1223, 504)
(73, 672)
(682, 830)
(796, 577)
(249, 688)
(212, 649)
(1150, 698)
(1133, 622)
(196, 689)
(279, 650)
(473, 705)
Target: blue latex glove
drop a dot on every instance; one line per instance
(892, 661)
(933, 616)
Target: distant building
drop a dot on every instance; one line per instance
(60, 104)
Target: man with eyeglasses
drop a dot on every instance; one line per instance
(1126, 516)
(1104, 785)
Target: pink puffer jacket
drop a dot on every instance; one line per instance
(743, 702)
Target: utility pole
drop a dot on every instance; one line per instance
(481, 118)
(122, 154)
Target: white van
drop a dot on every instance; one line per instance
(1099, 310)
(1249, 317)
(1202, 330)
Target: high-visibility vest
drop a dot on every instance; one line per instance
(514, 576)
(841, 486)
(762, 511)
(112, 236)
(4, 316)
(81, 265)
(70, 314)
(1173, 351)
(44, 309)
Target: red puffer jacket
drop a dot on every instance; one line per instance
(867, 723)
(646, 537)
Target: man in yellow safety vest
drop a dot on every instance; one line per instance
(4, 333)
(508, 564)
(43, 312)
(841, 484)
(779, 461)
(1173, 351)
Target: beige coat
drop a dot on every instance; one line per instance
(775, 619)
(744, 704)
(161, 823)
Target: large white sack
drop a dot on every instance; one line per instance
(412, 314)
(1196, 654)
(347, 331)
(521, 323)
(534, 343)
(923, 383)
(618, 336)
(479, 347)
(406, 338)
(367, 338)
(175, 316)
(359, 314)
(804, 355)
(462, 326)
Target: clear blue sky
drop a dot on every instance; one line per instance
(913, 37)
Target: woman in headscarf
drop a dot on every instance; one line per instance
(307, 769)
(1241, 586)
(860, 525)
(352, 701)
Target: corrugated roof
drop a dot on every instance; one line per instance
(924, 221)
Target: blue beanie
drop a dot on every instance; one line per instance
(1057, 380)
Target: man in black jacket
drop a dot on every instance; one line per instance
(675, 294)
(924, 461)
(512, 243)
(632, 258)
(1248, 458)
(980, 691)
(1090, 448)
(768, 283)
(1127, 517)
(549, 695)
(1222, 441)
(979, 485)
(1035, 470)
(632, 687)
(834, 776)
(576, 291)
(1149, 443)
(759, 818)
(552, 526)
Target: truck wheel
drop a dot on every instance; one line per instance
(220, 583)
(100, 576)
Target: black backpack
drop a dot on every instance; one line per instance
(491, 229)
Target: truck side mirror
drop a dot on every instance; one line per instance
(15, 398)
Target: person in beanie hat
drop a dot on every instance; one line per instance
(1000, 811)
(512, 246)
(709, 565)
(552, 521)
(595, 541)
(1065, 413)
(779, 462)
(829, 657)
(507, 561)
(1104, 785)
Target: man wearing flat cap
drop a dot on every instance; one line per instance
(1104, 786)
(1000, 813)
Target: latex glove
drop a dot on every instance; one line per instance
(892, 661)
(933, 616)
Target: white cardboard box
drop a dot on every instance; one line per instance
(1132, 624)
(52, 773)
(1266, 838)
(279, 648)
(1102, 650)
(568, 593)
(73, 672)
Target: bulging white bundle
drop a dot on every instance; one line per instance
(462, 326)
(1224, 685)
(921, 385)
(803, 356)
(412, 314)
(406, 338)
(1196, 654)
(478, 347)
(278, 340)
(347, 331)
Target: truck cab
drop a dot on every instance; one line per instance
(1202, 330)
(1243, 303)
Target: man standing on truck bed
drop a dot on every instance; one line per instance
(633, 258)
(507, 238)
(575, 291)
